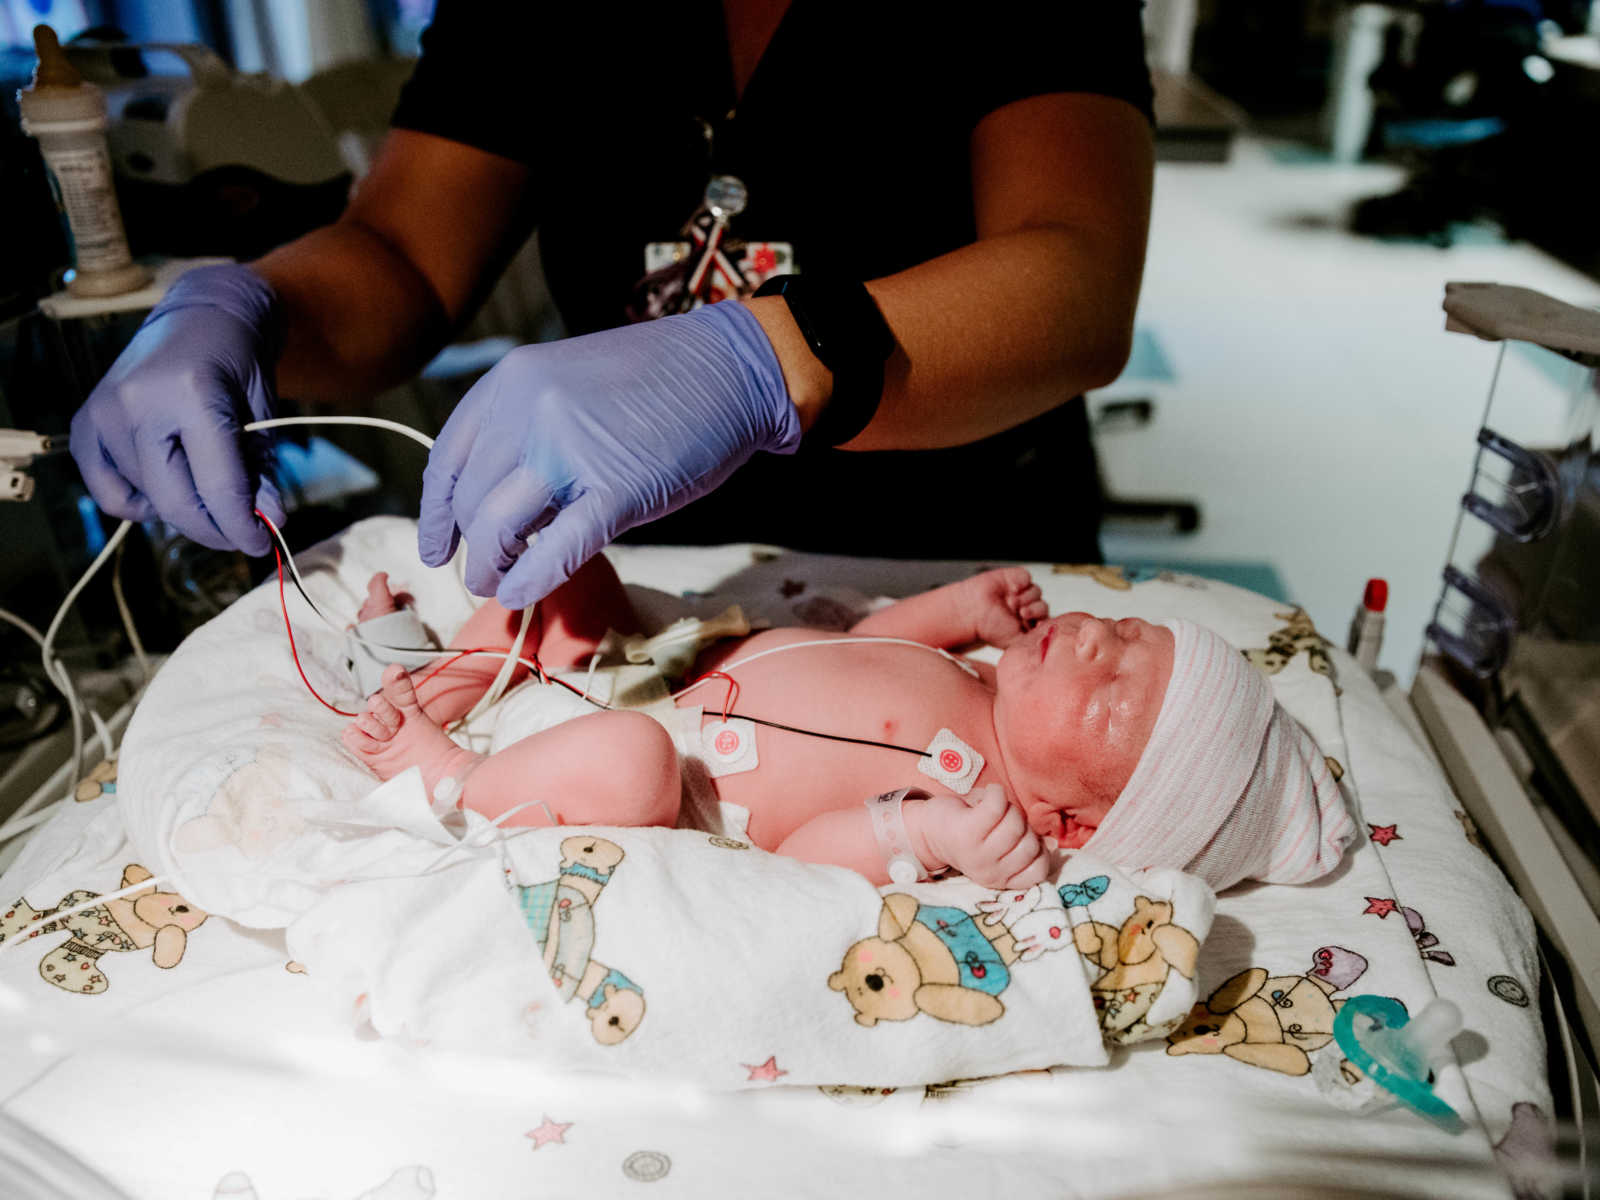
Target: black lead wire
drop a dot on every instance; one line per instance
(834, 737)
(816, 733)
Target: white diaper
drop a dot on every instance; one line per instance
(533, 707)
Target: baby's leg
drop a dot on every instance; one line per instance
(607, 768)
(577, 614)
(566, 627)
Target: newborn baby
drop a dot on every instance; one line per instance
(1159, 744)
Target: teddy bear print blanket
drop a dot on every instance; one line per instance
(686, 955)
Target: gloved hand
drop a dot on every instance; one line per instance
(160, 434)
(582, 439)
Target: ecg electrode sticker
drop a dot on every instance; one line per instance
(729, 747)
(951, 762)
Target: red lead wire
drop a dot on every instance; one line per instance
(729, 699)
(283, 603)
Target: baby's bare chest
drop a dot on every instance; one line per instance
(889, 701)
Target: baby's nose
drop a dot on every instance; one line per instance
(1092, 635)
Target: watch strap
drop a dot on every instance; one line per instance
(842, 325)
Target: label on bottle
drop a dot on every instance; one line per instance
(82, 179)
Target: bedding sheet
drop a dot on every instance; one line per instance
(255, 1078)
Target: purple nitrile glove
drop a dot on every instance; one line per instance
(582, 439)
(160, 435)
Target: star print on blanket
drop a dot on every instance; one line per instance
(733, 944)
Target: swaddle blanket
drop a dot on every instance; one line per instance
(235, 1066)
(697, 956)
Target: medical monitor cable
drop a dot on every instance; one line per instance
(61, 679)
(533, 664)
(47, 642)
(510, 657)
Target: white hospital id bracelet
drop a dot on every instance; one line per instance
(889, 827)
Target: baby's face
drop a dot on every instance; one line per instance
(1075, 702)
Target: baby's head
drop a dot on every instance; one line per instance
(1165, 741)
(1076, 702)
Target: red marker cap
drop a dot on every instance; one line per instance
(1376, 597)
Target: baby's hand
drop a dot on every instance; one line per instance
(987, 839)
(1006, 603)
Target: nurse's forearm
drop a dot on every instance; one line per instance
(988, 336)
(359, 317)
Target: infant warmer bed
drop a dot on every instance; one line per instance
(289, 1039)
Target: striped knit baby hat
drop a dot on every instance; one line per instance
(1230, 787)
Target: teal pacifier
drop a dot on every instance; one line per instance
(1396, 1052)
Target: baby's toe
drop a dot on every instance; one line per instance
(380, 600)
(398, 689)
(359, 741)
(369, 724)
(386, 714)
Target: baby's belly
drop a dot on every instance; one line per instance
(899, 697)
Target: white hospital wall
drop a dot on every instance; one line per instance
(1319, 412)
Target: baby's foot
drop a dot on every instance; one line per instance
(394, 734)
(380, 600)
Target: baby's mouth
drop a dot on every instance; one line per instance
(1044, 642)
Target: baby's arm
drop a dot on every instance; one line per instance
(995, 607)
(988, 840)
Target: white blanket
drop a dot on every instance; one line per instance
(680, 955)
(231, 1066)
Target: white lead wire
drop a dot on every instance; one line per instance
(57, 673)
(843, 641)
(420, 438)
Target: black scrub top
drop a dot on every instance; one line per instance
(853, 138)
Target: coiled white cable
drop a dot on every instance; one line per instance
(123, 611)
(57, 673)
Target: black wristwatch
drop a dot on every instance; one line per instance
(841, 323)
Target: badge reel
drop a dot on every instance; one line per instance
(726, 197)
(707, 264)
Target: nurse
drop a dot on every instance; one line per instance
(945, 209)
